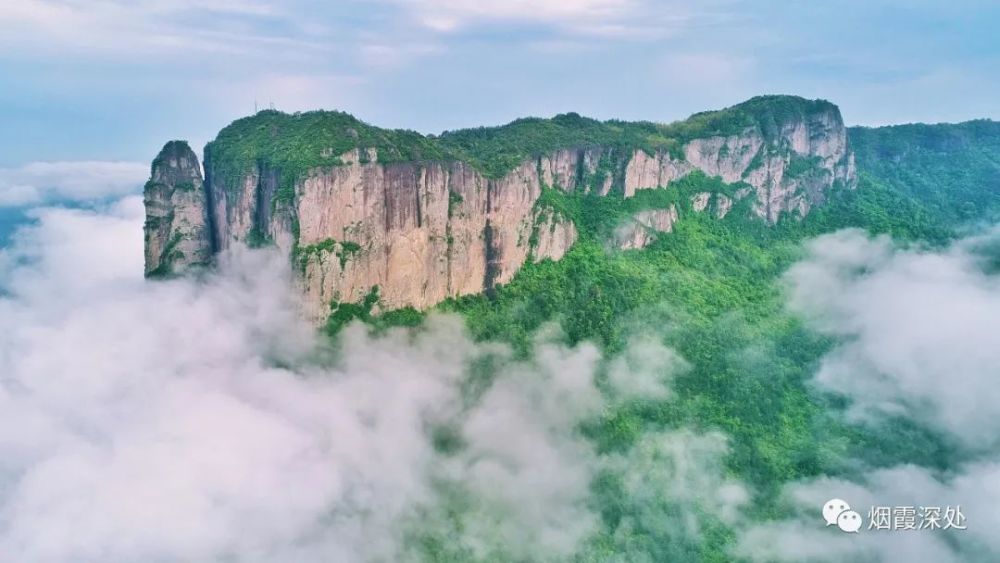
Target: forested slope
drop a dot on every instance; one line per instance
(711, 291)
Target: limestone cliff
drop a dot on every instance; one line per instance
(425, 218)
(642, 228)
(176, 231)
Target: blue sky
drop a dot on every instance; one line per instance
(112, 80)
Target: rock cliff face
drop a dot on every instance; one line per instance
(176, 232)
(642, 227)
(422, 230)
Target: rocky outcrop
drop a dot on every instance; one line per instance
(641, 229)
(700, 200)
(424, 230)
(790, 171)
(565, 169)
(723, 204)
(726, 157)
(720, 203)
(645, 171)
(176, 231)
(554, 235)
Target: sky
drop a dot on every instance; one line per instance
(201, 420)
(112, 80)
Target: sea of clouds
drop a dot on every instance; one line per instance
(202, 420)
(919, 334)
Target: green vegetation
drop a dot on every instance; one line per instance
(454, 200)
(953, 170)
(343, 313)
(344, 250)
(710, 290)
(596, 216)
(290, 145)
(169, 255)
(800, 165)
(258, 239)
(173, 149)
(496, 150)
(767, 113)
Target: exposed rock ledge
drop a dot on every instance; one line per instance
(642, 227)
(429, 230)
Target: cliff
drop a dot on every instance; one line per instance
(424, 218)
(177, 235)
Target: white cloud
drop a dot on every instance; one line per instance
(919, 327)
(670, 482)
(917, 338)
(381, 55)
(681, 467)
(976, 489)
(447, 15)
(201, 420)
(623, 19)
(644, 370)
(117, 28)
(39, 182)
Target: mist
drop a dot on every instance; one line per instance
(918, 334)
(202, 420)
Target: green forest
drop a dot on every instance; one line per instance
(295, 143)
(710, 291)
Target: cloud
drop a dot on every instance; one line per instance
(919, 329)
(109, 26)
(447, 15)
(675, 469)
(916, 338)
(617, 19)
(529, 481)
(975, 488)
(40, 182)
(645, 370)
(202, 420)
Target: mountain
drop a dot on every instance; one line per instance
(712, 290)
(952, 169)
(406, 220)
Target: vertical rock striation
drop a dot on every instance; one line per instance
(421, 221)
(642, 227)
(177, 233)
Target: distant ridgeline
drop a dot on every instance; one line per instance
(952, 170)
(396, 219)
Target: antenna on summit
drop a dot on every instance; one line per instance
(255, 106)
